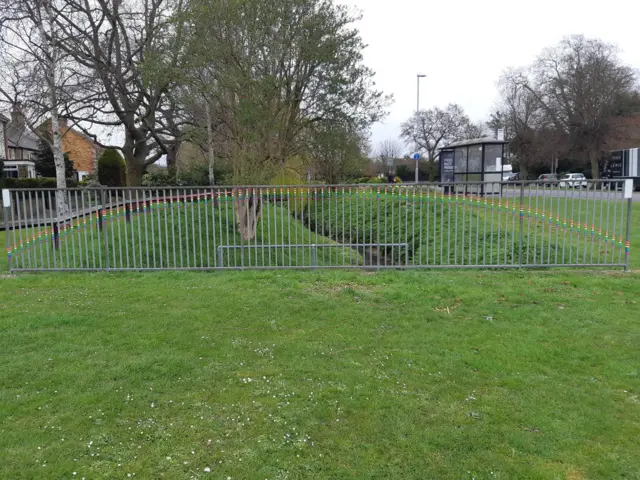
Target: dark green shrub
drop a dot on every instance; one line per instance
(41, 182)
(112, 169)
(45, 165)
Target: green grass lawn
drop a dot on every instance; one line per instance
(254, 375)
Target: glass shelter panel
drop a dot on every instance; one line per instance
(493, 158)
(461, 159)
(475, 158)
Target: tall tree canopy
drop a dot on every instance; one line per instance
(432, 129)
(579, 84)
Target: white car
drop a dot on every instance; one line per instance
(573, 180)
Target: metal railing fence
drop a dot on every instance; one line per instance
(455, 225)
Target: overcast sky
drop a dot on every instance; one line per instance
(464, 45)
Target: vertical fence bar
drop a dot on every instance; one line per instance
(47, 236)
(621, 242)
(558, 209)
(441, 228)
(420, 228)
(24, 244)
(132, 220)
(160, 238)
(269, 241)
(464, 225)
(96, 201)
(112, 219)
(189, 208)
(105, 229)
(214, 241)
(593, 217)
(400, 197)
(38, 234)
(35, 226)
(14, 235)
(521, 224)
(288, 214)
(585, 227)
(84, 228)
(119, 210)
(8, 226)
(627, 236)
(614, 224)
(492, 214)
(406, 224)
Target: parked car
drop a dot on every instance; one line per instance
(573, 180)
(515, 177)
(552, 178)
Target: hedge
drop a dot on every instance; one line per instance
(30, 183)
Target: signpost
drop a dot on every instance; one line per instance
(416, 157)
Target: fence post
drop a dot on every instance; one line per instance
(314, 256)
(220, 257)
(103, 222)
(627, 235)
(521, 224)
(6, 203)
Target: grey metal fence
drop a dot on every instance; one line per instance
(454, 225)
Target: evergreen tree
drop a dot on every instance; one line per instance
(45, 166)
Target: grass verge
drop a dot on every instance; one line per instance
(273, 375)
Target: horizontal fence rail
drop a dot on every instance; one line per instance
(452, 225)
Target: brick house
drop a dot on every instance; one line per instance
(81, 148)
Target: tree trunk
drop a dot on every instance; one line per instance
(135, 155)
(62, 207)
(248, 210)
(210, 153)
(595, 164)
(135, 171)
(172, 154)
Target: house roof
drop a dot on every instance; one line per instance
(476, 141)
(19, 136)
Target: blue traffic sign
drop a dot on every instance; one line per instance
(416, 156)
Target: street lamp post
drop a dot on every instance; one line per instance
(419, 76)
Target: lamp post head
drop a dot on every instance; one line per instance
(421, 75)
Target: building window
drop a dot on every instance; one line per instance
(11, 171)
(23, 171)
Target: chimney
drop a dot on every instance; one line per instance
(17, 116)
(500, 135)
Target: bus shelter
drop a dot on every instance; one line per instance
(475, 160)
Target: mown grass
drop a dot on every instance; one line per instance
(256, 375)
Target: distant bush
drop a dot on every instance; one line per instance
(370, 180)
(404, 172)
(41, 182)
(112, 169)
(157, 179)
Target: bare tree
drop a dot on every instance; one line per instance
(434, 128)
(523, 118)
(389, 149)
(578, 84)
(36, 77)
(129, 52)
